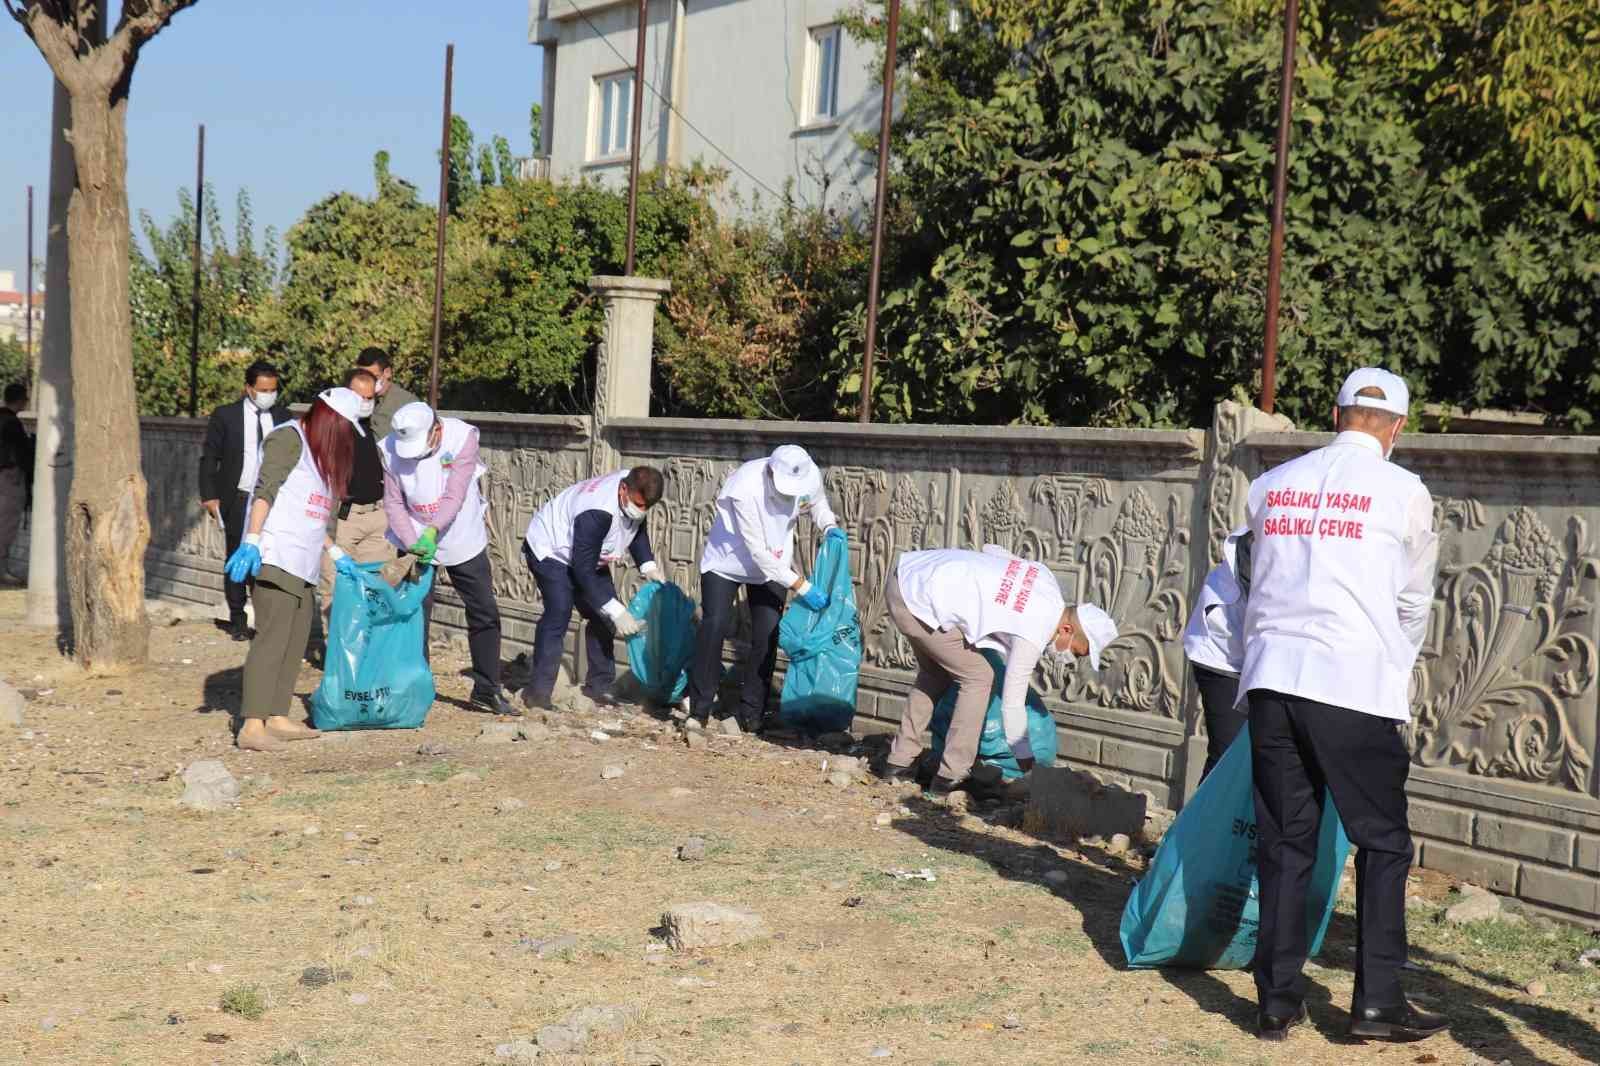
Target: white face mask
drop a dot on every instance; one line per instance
(632, 511)
(1057, 657)
(367, 407)
(381, 387)
(264, 400)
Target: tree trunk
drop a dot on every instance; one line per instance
(108, 525)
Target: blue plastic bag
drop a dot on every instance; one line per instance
(659, 657)
(1199, 904)
(992, 744)
(377, 676)
(824, 649)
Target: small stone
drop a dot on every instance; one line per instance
(599, 736)
(695, 982)
(880, 1053)
(1478, 906)
(465, 777)
(729, 727)
(1056, 877)
(707, 925)
(359, 999)
(362, 901)
(1590, 958)
(1536, 989)
(432, 747)
(611, 772)
(1416, 903)
(311, 831)
(49, 1023)
(610, 725)
(608, 1019)
(11, 703)
(523, 1051)
(884, 819)
(351, 838)
(681, 793)
(1011, 1022)
(695, 741)
(692, 850)
(840, 779)
(208, 786)
(644, 1055)
(509, 804)
(322, 976)
(545, 949)
(1118, 844)
(499, 732)
(214, 968)
(560, 1039)
(692, 725)
(552, 866)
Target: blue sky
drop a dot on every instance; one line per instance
(296, 96)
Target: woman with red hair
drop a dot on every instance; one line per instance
(305, 470)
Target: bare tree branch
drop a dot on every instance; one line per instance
(140, 21)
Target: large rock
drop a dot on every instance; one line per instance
(11, 702)
(208, 786)
(1476, 907)
(688, 926)
(1077, 804)
(517, 1051)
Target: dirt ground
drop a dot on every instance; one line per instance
(383, 909)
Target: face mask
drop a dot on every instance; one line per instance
(380, 388)
(264, 400)
(367, 407)
(632, 512)
(1057, 657)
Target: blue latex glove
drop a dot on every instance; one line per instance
(835, 533)
(814, 598)
(243, 564)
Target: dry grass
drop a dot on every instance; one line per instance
(119, 905)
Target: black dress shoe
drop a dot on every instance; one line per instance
(239, 632)
(941, 787)
(1398, 1024)
(495, 703)
(1276, 1027)
(890, 774)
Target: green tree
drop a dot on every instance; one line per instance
(237, 283)
(14, 363)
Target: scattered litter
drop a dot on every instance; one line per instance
(923, 874)
(599, 735)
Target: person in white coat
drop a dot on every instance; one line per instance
(1214, 643)
(437, 512)
(1342, 582)
(752, 545)
(571, 545)
(305, 469)
(951, 604)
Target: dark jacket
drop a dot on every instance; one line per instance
(222, 457)
(393, 398)
(16, 446)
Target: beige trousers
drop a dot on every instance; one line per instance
(365, 537)
(944, 658)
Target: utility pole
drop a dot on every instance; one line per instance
(27, 322)
(877, 211)
(633, 137)
(194, 300)
(1280, 179)
(444, 210)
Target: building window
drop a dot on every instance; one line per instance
(613, 103)
(822, 74)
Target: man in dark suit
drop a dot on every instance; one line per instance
(229, 464)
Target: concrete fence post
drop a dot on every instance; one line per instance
(622, 372)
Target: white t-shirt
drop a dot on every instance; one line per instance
(1341, 578)
(251, 470)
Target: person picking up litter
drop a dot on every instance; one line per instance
(436, 512)
(571, 544)
(1214, 643)
(950, 604)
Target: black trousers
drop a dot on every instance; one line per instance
(1302, 752)
(559, 597)
(473, 581)
(1223, 719)
(717, 594)
(234, 518)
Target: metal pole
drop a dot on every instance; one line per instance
(877, 211)
(1269, 347)
(194, 306)
(444, 206)
(633, 137)
(27, 326)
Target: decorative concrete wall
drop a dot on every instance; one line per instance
(1504, 789)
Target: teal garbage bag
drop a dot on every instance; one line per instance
(1199, 903)
(824, 649)
(376, 675)
(992, 744)
(659, 657)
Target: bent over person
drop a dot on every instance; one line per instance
(305, 469)
(1342, 572)
(436, 511)
(1214, 643)
(951, 604)
(571, 544)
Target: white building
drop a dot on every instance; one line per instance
(14, 311)
(772, 91)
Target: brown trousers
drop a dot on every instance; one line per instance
(364, 536)
(944, 658)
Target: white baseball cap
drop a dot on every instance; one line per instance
(347, 403)
(410, 428)
(1098, 628)
(793, 472)
(1396, 397)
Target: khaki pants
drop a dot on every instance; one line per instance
(944, 658)
(365, 537)
(13, 500)
(283, 623)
